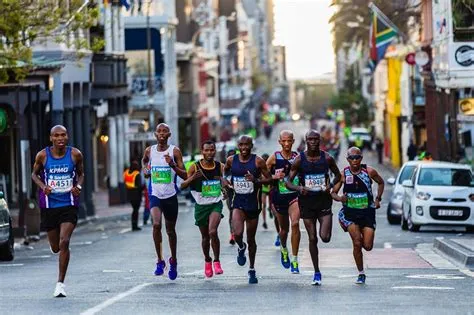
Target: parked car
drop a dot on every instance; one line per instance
(394, 207)
(364, 135)
(6, 231)
(439, 193)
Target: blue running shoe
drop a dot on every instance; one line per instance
(360, 279)
(295, 267)
(277, 241)
(160, 268)
(173, 273)
(241, 259)
(285, 260)
(252, 277)
(317, 278)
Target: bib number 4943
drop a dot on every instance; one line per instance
(315, 182)
(243, 186)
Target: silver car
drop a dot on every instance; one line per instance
(6, 231)
(395, 205)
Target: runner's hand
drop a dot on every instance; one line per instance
(75, 191)
(249, 177)
(303, 191)
(47, 190)
(377, 204)
(197, 174)
(343, 198)
(169, 160)
(278, 176)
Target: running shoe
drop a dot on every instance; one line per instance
(277, 241)
(295, 267)
(264, 225)
(160, 268)
(59, 290)
(232, 239)
(208, 269)
(252, 277)
(285, 260)
(173, 272)
(217, 268)
(360, 279)
(241, 259)
(317, 279)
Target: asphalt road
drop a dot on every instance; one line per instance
(111, 272)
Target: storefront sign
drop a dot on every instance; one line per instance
(465, 55)
(141, 136)
(466, 106)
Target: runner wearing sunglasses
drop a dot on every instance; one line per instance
(312, 168)
(357, 215)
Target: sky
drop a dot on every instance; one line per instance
(302, 26)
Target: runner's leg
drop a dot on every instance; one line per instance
(157, 237)
(53, 239)
(294, 213)
(284, 225)
(214, 221)
(356, 236)
(172, 238)
(251, 231)
(325, 228)
(65, 233)
(205, 242)
(310, 225)
(238, 218)
(368, 235)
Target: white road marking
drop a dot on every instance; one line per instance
(11, 265)
(125, 230)
(81, 243)
(111, 271)
(422, 288)
(109, 302)
(467, 272)
(40, 256)
(436, 277)
(387, 245)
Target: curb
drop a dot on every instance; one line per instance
(455, 251)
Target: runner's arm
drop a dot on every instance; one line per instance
(38, 167)
(334, 169)
(335, 190)
(266, 176)
(185, 184)
(379, 180)
(145, 161)
(293, 172)
(227, 171)
(79, 161)
(179, 165)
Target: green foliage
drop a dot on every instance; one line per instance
(24, 22)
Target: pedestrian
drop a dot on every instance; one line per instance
(265, 195)
(163, 163)
(358, 211)
(134, 186)
(58, 172)
(248, 172)
(205, 179)
(379, 148)
(285, 201)
(312, 168)
(412, 151)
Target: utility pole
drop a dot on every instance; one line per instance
(150, 81)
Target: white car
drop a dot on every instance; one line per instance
(394, 207)
(439, 193)
(364, 135)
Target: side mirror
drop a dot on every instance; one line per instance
(407, 183)
(391, 181)
(1, 195)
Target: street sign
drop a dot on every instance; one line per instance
(141, 136)
(421, 58)
(466, 106)
(410, 59)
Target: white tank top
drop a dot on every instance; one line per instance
(163, 177)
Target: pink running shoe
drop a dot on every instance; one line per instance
(208, 269)
(218, 268)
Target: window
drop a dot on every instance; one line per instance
(445, 177)
(406, 173)
(463, 21)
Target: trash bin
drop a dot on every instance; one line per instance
(32, 218)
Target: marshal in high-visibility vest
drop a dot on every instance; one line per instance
(129, 178)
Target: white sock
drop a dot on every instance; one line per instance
(361, 272)
(282, 248)
(295, 258)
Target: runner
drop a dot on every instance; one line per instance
(284, 201)
(230, 196)
(205, 179)
(58, 171)
(265, 197)
(312, 168)
(357, 215)
(164, 162)
(246, 169)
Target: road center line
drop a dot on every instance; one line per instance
(387, 245)
(422, 288)
(115, 299)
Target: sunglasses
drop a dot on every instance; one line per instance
(355, 157)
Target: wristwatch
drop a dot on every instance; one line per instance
(378, 198)
(79, 186)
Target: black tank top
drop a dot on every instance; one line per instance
(314, 175)
(210, 179)
(358, 189)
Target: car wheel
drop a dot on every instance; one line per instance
(470, 229)
(412, 227)
(391, 218)
(7, 250)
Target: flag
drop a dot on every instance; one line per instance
(382, 33)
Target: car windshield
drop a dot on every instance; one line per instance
(445, 177)
(360, 134)
(406, 173)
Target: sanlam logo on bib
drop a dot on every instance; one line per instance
(59, 169)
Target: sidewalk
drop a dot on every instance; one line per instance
(461, 250)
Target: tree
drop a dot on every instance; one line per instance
(351, 20)
(24, 23)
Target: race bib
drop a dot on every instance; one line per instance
(315, 182)
(242, 186)
(282, 189)
(161, 174)
(60, 185)
(211, 188)
(357, 200)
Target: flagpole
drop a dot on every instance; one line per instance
(385, 19)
